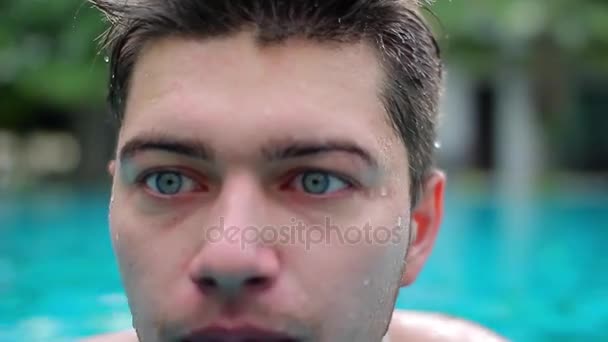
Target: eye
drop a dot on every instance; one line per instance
(169, 183)
(319, 183)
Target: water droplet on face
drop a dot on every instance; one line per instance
(437, 145)
(111, 205)
(106, 59)
(116, 237)
(383, 192)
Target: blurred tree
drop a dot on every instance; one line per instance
(48, 58)
(559, 44)
(483, 31)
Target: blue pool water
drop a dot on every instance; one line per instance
(535, 271)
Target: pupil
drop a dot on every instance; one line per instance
(169, 183)
(316, 182)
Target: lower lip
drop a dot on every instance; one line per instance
(238, 337)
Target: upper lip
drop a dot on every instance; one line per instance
(237, 334)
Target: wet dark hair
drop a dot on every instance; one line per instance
(396, 29)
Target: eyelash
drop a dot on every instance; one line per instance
(144, 176)
(349, 181)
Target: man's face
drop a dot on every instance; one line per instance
(261, 188)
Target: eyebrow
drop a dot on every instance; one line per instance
(275, 151)
(292, 149)
(185, 147)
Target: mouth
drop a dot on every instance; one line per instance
(245, 334)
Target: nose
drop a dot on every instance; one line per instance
(230, 270)
(234, 261)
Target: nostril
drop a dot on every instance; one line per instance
(208, 282)
(256, 281)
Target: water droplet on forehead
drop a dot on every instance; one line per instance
(383, 192)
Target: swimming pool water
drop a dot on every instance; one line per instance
(536, 271)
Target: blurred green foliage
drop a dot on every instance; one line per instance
(49, 57)
(485, 32)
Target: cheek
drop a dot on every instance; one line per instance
(149, 263)
(144, 248)
(126, 240)
(350, 288)
(352, 272)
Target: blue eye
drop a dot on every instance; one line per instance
(169, 183)
(319, 183)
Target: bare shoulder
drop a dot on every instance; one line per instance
(125, 336)
(431, 327)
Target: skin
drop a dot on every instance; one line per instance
(251, 107)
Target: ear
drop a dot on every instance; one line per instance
(112, 168)
(425, 223)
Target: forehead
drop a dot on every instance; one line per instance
(239, 58)
(195, 88)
